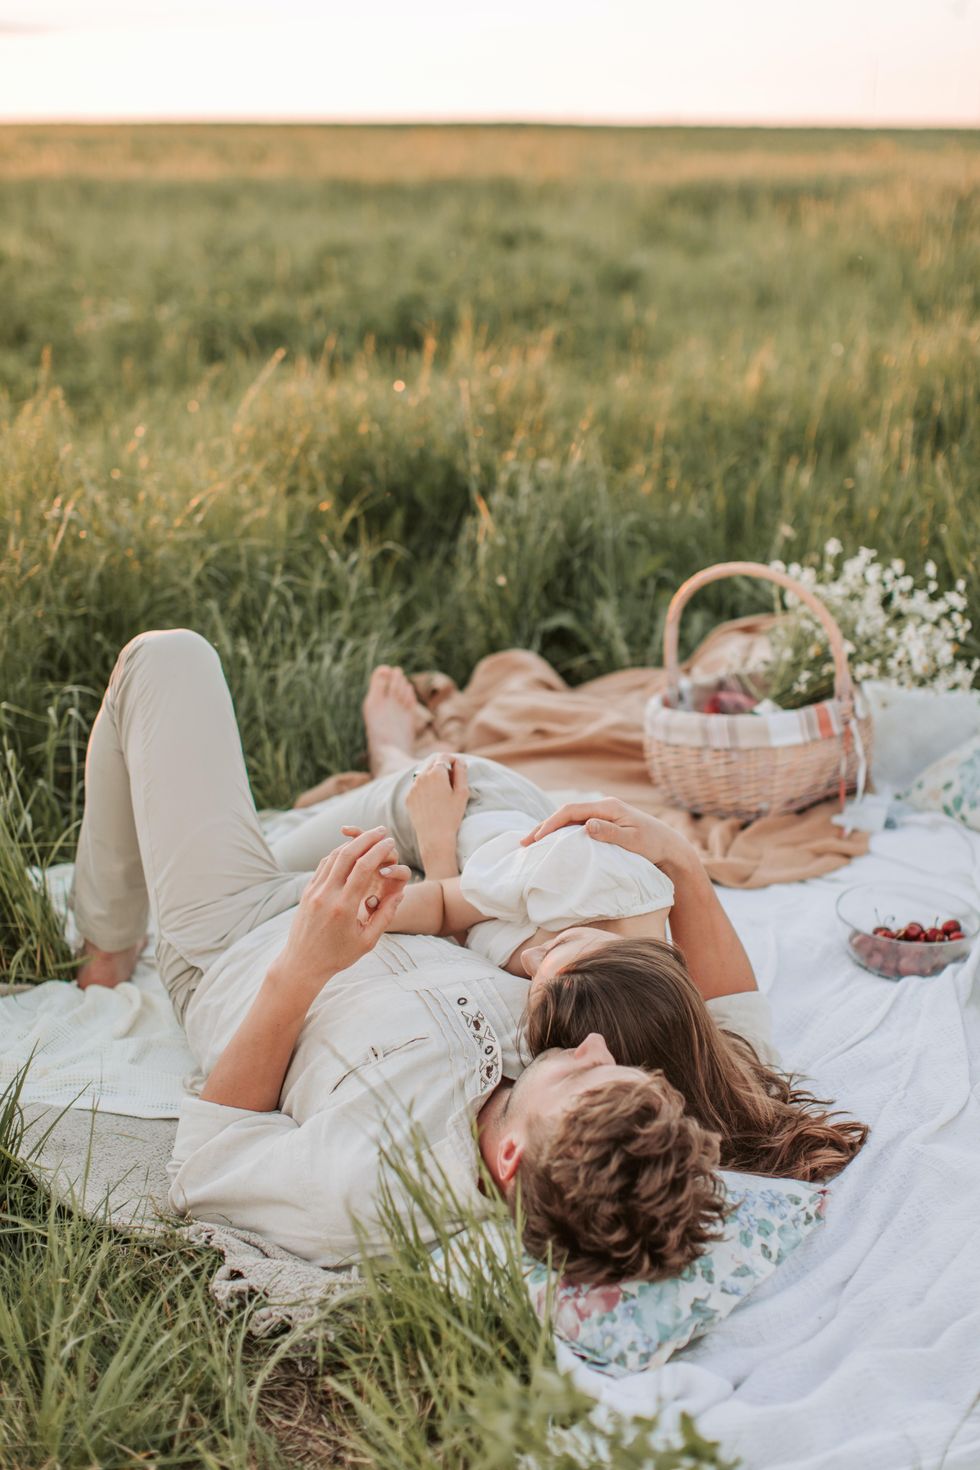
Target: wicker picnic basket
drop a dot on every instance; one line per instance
(751, 765)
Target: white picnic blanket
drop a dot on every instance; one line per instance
(863, 1350)
(122, 1049)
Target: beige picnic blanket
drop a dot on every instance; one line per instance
(517, 710)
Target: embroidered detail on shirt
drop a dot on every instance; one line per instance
(485, 1039)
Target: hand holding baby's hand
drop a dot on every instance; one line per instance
(350, 901)
(437, 800)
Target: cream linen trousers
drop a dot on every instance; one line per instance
(169, 819)
(169, 816)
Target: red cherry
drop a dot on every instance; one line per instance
(933, 936)
(884, 933)
(954, 935)
(914, 931)
(950, 926)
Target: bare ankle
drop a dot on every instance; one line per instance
(385, 760)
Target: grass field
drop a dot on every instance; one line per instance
(334, 396)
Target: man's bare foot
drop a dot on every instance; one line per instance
(108, 967)
(392, 716)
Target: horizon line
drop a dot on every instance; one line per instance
(502, 120)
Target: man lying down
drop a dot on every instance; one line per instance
(332, 1035)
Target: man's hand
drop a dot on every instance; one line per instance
(347, 905)
(611, 820)
(334, 926)
(436, 803)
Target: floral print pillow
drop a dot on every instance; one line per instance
(639, 1324)
(951, 785)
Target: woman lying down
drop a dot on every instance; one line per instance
(582, 911)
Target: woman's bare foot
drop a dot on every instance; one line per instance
(392, 715)
(108, 967)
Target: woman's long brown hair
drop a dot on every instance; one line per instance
(638, 995)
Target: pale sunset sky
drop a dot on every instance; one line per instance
(867, 62)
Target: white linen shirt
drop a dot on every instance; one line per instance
(406, 1044)
(566, 878)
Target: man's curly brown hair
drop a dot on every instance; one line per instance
(623, 1189)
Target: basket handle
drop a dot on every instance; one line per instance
(843, 685)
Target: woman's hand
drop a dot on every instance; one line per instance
(611, 820)
(347, 905)
(436, 803)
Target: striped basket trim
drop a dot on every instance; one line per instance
(748, 731)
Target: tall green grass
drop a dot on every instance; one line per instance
(110, 1353)
(319, 521)
(327, 416)
(32, 942)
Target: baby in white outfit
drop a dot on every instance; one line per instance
(507, 896)
(564, 879)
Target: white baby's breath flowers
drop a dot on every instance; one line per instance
(893, 630)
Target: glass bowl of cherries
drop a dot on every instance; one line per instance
(903, 930)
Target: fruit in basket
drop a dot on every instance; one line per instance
(729, 702)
